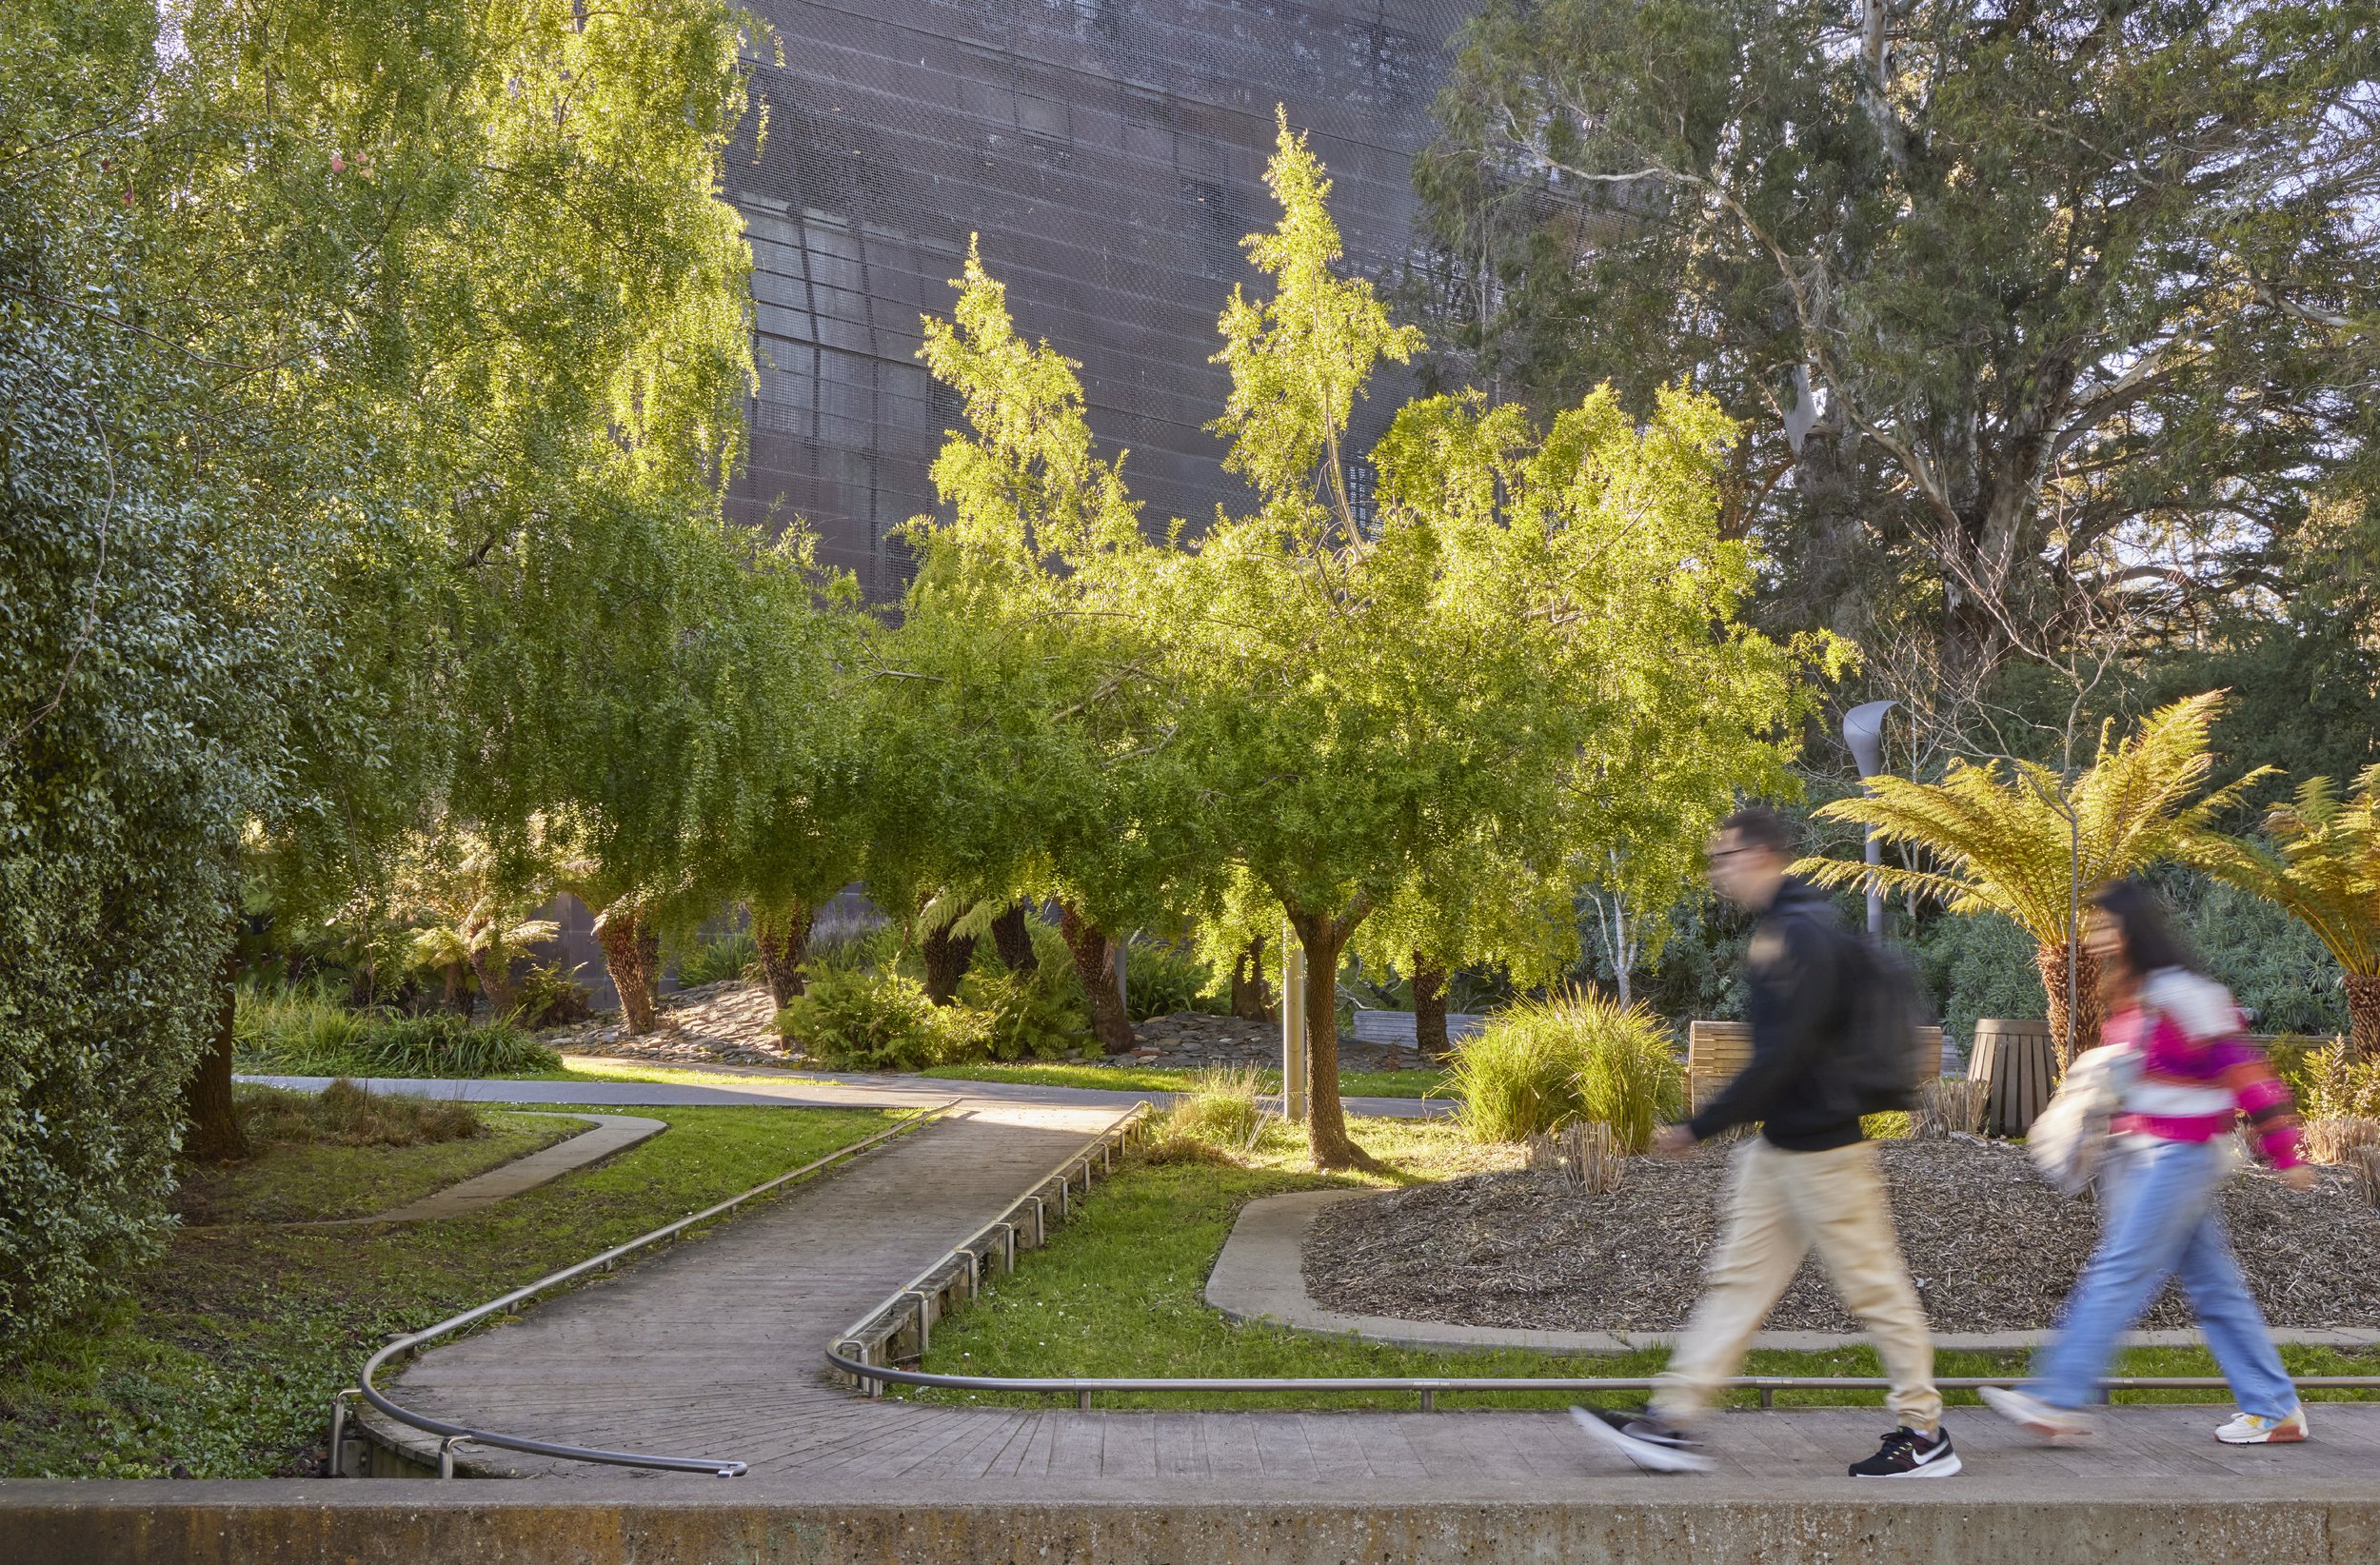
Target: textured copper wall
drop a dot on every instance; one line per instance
(1109, 154)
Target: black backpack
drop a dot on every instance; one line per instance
(1879, 1061)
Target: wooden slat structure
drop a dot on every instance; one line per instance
(2017, 1060)
(1716, 1051)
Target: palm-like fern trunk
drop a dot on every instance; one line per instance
(1429, 1007)
(632, 957)
(782, 934)
(2363, 1015)
(2050, 960)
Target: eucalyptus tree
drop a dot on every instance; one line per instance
(1360, 699)
(2017, 305)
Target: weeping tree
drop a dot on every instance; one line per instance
(1023, 753)
(1358, 694)
(2322, 863)
(2015, 838)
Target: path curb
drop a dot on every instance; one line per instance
(1259, 1279)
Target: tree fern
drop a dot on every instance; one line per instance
(2016, 837)
(2324, 867)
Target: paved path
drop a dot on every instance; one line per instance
(800, 1090)
(714, 1351)
(611, 1134)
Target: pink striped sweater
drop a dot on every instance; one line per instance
(2197, 1072)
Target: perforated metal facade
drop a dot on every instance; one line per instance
(1109, 154)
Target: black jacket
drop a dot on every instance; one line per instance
(1801, 1012)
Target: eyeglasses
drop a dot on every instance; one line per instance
(1712, 855)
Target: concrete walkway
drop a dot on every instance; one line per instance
(713, 1348)
(607, 1134)
(1261, 1277)
(799, 1089)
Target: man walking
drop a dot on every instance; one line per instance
(1810, 1178)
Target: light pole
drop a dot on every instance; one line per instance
(1863, 730)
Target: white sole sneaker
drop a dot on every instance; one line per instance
(2290, 1430)
(2056, 1425)
(1645, 1454)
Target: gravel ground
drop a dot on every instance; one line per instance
(1990, 1246)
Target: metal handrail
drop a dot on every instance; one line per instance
(1429, 1387)
(914, 1287)
(873, 1378)
(453, 1435)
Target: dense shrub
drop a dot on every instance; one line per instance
(857, 1021)
(544, 996)
(734, 955)
(305, 1032)
(1038, 1014)
(1977, 966)
(1160, 980)
(1576, 1055)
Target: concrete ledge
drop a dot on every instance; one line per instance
(1644, 1522)
(1261, 1277)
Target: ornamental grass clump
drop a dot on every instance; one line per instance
(306, 1031)
(1571, 1055)
(1221, 1109)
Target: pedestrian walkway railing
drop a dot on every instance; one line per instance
(870, 1353)
(452, 1436)
(902, 1326)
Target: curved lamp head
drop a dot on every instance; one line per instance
(1863, 730)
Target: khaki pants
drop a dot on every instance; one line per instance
(1779, 1204)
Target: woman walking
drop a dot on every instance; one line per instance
(2189, 1074)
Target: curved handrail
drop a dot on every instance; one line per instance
(872, 1377)
(916, 1287)
(454, 1434)
(1431, 1385)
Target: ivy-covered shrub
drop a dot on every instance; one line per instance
(132, 700)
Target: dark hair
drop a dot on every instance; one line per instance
(2150, 943)
(1763, 827)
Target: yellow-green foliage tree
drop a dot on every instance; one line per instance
(2018, 838)
(1361, 700)
(2324, 866)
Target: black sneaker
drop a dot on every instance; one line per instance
(1906, 1453)
(1644, 1439)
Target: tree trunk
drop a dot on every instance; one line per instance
(1251, 997)
(2050, 960)
(632, 957)
(493, 969)
(214, 1135)
(1095, 961)
(1324, 940)
(782, 934)
(2363, 1015)
(1429, 1007)
(946, 963)
(1013, 938)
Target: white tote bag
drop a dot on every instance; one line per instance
(2069, 1137)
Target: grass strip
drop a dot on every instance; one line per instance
(1117, 1292)
(219, 1360)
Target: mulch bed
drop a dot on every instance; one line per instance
(1991, 1247)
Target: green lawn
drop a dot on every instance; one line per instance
(1415, 1083)
(1118, 1292)
(219, 1360)
(304, 1184)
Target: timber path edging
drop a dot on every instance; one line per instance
(1259, 1278)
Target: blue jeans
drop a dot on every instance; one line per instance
(2161, 1220)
